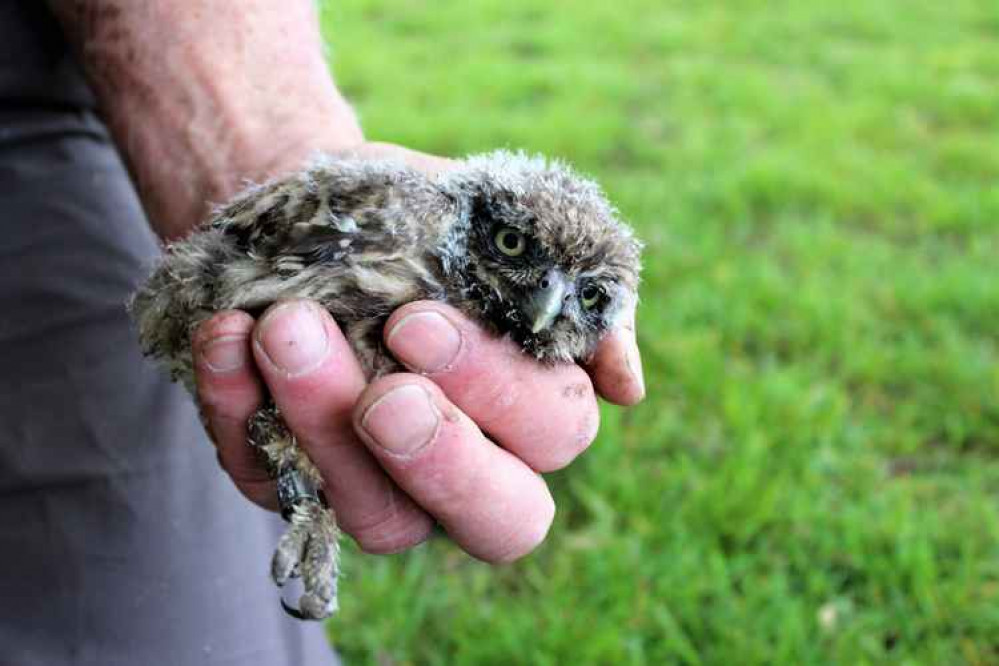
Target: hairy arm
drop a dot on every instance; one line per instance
(202, 95)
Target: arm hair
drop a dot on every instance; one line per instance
(203, 95)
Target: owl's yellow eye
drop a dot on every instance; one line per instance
(510, 242)
(589, 296)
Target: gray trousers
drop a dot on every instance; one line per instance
(121, 540)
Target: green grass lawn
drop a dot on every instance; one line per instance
(814, 477)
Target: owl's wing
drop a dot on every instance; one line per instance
(300, 222)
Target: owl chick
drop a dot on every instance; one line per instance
(522, 245)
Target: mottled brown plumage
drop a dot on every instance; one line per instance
(522, 245)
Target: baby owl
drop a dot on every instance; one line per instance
(523, 245)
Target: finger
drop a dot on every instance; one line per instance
(315, 380)
(546, 415)
(491, 503)
(428, 164)
(229, 392)
(616, 367)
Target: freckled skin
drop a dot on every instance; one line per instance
(525, 247)
(576, 391)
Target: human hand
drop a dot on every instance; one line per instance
(409, 449)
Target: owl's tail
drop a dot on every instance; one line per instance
(175, 299)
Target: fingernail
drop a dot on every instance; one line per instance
(402, 421)
(293, 337)
(225, 353)
(634, 362)
(424, 341)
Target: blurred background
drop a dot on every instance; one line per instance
(814, 476)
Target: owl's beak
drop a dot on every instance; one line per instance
(545, 303)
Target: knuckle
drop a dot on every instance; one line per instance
(227, 322)
(263, 496)
(223, 407)
(493, 403)
(391, 533)
(449, 492)
(253, 482)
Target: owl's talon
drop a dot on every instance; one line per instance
(292, 611)
(316, 609)
(309, 549)
(288, 555)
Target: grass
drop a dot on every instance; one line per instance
(814, 477)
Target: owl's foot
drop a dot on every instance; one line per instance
(309, 549)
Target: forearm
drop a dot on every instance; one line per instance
(202, 95)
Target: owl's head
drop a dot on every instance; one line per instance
(538, 253)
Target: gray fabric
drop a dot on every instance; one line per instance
(121, 541)
(36, 67)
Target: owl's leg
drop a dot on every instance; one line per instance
(309, 548)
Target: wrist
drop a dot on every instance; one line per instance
(332, 127)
